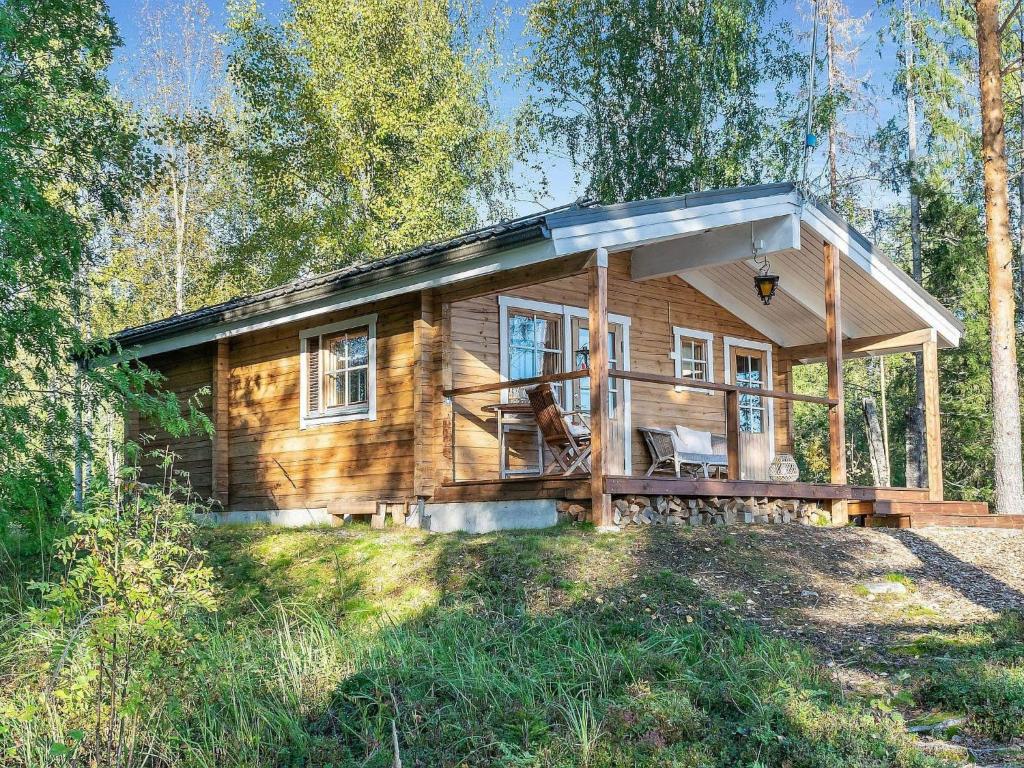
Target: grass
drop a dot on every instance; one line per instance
(977, 672)
(558, 648)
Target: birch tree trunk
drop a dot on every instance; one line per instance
(179, 201)
(830, 67)
(917, 464)
(1009, 483)
(876, 444)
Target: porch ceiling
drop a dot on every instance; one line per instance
(796, 315)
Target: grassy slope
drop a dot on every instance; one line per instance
(544, 649)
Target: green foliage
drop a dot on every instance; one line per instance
(979, 672)
(364, 128)
(654, 98)
(68, 159)
(111, 622)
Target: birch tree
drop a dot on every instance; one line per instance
(845, 98)
(365, 127)
(161, 258)
(660, 98)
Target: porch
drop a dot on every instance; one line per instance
(640, 334)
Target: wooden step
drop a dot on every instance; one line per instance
(944, 508)
(1015, 522)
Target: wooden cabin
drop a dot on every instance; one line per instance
(402, 381)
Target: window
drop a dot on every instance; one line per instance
(534, 346)
(693, 355)
(346, 358)
(539, 338)
(752, 407)
(338, 372)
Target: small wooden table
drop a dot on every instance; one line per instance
(515, 417)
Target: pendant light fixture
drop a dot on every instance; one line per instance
(765, 283)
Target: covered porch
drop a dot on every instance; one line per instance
(646, 322)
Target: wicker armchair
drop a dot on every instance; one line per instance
(665, 456)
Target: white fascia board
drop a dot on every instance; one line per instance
(888, 275)
(719, 246)
(491, 263)
(622, 233)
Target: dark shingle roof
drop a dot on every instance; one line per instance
(473, 243)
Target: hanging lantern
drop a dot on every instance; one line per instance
(766, 285)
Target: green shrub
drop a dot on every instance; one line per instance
(109, 625)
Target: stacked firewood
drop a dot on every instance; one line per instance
(696, 511)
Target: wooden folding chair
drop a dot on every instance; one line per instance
(568, 443)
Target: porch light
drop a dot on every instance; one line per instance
(766, 285)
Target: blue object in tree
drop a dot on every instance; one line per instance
(812, 140)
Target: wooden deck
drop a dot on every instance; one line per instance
(875, 507)
(578, 487)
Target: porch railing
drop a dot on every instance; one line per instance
(732, 402)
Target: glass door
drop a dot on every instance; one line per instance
(580, 391)
(749, 369)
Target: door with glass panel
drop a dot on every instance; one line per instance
(750, 369)
(580, 390)
(535, 341)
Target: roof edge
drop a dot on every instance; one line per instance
(325, 285)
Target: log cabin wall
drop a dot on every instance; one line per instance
(187, 372)
(274, 463)
(654, 308)
(346, 466)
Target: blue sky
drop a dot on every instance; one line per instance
(877, 63)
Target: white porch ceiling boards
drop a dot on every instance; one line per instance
(723, 245)
(797, 313)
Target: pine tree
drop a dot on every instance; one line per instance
(1009, 481)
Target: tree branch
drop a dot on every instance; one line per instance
(1009, 17)
(1012, 67)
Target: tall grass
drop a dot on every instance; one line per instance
(485, 677)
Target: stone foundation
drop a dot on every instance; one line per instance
(696, 511)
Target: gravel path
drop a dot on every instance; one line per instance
(810, 584)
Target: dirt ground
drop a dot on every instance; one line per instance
(812, 584)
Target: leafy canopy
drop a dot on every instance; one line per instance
(657, 98)
(363, 128)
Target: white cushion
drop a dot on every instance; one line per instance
(686, 440)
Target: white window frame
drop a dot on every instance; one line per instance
(568, 312)
(766, 347)
(678, 333)
(349, 413)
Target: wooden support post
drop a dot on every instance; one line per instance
(834, 365)
(220, 482)
(425, 396)
(446, 421)
(732, 433)
(601, 502)
(932, 424)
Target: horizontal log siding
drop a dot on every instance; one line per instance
(347, 466)
(654, 306)
(273, 463)
(186, 373)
